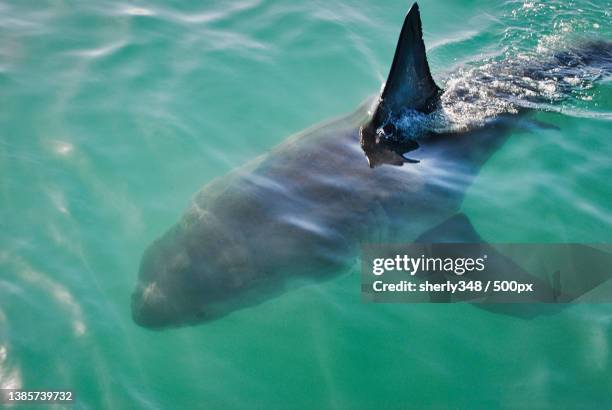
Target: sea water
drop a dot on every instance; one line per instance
(113, 114)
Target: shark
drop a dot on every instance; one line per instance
(396, 169)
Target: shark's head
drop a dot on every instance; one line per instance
(189, 275)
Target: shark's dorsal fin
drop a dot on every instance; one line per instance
(408, 87)
(410, 84)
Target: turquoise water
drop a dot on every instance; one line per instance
(114, 114)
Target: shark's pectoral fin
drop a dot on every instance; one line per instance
(459, 229)
(456, 229)
(577, 271)
(499, 266)
(558, 273)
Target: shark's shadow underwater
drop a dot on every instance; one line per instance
(387, 174)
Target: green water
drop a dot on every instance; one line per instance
(113, 114)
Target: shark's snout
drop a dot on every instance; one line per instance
(151, 308)
(148, 309)
(164, 295)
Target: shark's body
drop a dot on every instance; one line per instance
(301, 211)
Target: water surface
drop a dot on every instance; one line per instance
(114, 114)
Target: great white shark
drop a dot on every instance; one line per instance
(300, 212)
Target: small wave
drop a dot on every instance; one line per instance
(137, 11)
(101, 51)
